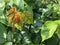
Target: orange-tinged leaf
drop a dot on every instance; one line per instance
(10, 18)
(12, 10)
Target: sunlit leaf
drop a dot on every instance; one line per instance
(58, 29)
(19, 3)
(2, 6)
(48, 30)
(19, 26)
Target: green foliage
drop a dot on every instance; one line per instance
(39, 23)
(8, 43)
(47, 30)
(2, 33)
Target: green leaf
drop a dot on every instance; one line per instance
(2, 33)
(28, 14)
(8, 43)
(58, 29)
(28, 17)
(19, 26)
(58, 22)
(9, 2)
(48, 30)
(3, 20)
(19, 3)
(9, 36)
(28, 8)
(2, 6)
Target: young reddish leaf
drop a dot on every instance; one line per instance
(18, 17)
(12, 10)
(10, 18)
